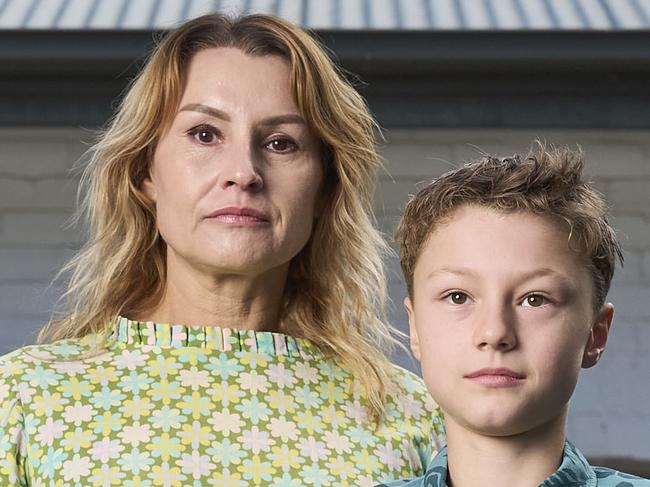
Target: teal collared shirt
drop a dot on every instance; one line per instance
(574, 471)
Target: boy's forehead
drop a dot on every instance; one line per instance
(472, 239)
(470, 216)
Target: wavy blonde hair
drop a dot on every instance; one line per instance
(336, 291)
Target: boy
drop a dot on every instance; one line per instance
(508, 263)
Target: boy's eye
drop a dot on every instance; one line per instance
(456, 297)
(281, 145)
(534, 300)
(204, 134)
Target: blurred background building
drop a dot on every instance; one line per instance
(446, 79)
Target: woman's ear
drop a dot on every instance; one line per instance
(319, 205)
(149, 187)
(325, 191)
(598, 336)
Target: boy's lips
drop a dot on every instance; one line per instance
(499, 377)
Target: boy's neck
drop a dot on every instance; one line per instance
(523, 460)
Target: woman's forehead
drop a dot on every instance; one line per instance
(229, 76)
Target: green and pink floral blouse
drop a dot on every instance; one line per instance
(170, 405)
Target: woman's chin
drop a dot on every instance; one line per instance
(245, 260)
(238, 265)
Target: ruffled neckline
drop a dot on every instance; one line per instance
(164, 335)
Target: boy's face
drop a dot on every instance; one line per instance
(502, 320)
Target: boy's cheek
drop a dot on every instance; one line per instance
(426, 342)
(422, 341)
(438, 379)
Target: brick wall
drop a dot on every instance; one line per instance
(610, 414)
(37, 195)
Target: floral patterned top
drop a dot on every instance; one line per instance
(574, 471)
(170, 405)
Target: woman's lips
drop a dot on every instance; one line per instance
(239, 216)
(500, 377)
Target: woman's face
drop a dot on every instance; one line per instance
(237, 176)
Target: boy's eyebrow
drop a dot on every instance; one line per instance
(461, 271)
(540, 272)
(547, 271)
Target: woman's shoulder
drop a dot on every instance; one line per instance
(409, 385)
(15, 364)
(411, 411)
(412, 397)
(408, 382)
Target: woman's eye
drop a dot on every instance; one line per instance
(281, 145)
(204, 135)
(457, 297)
(534, 301)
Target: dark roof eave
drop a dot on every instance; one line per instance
(372, 52)
(411, 78)
(417, 53)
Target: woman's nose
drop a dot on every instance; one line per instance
(496, 329)
(239, 169)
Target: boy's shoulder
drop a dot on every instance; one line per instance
(575, 467)
(574, 471)
(608, 477)
(605, 477)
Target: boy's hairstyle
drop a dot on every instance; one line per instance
(548, 181)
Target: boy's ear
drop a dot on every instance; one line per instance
(598, 336)
(413, 332)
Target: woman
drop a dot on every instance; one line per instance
(222, 327)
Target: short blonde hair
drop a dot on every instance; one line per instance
(548, 181)
(336, 291)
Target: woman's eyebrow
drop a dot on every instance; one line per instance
(213, 112)
(290, 118)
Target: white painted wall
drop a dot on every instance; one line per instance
(610, 414)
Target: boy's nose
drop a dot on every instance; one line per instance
(495, 330)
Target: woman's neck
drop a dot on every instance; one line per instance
(523, 460)
(195, 297)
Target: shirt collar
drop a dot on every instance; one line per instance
(573, 471)
(131, 333)
(436, 474)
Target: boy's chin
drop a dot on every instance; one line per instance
(500, 423)
(497, 428)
